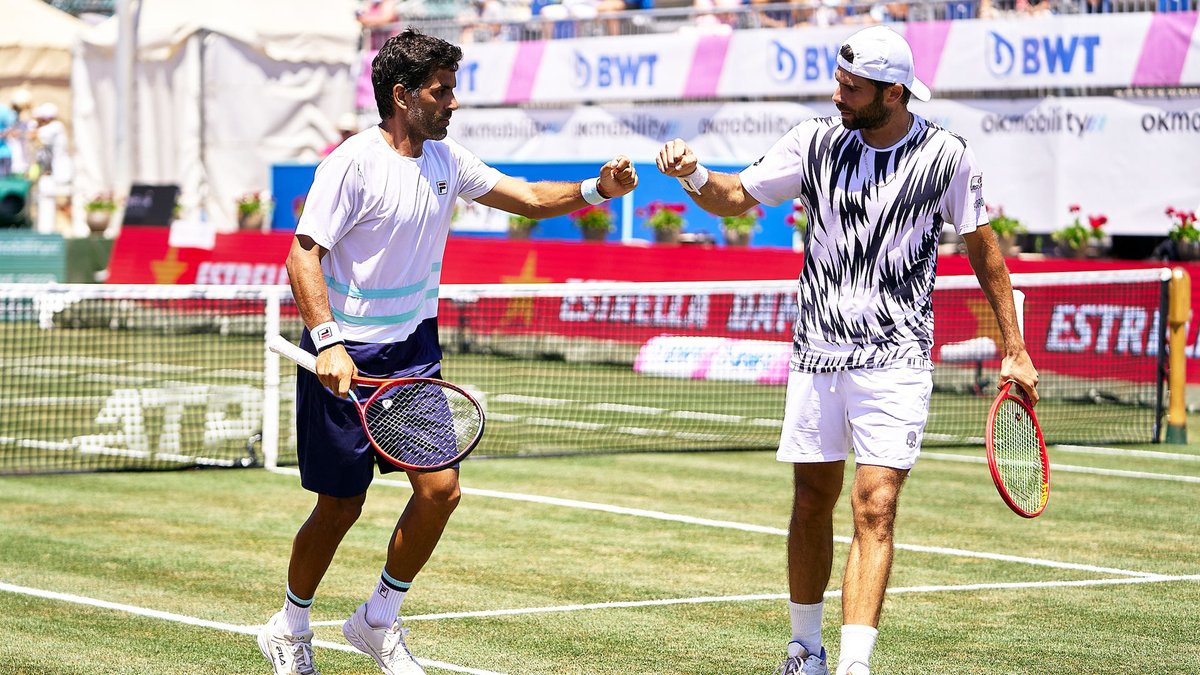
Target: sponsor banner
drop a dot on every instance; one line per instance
(1064, 336)
(1039, 156)
(1101, 50)
(701, 358)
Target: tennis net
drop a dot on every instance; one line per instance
(150, 377)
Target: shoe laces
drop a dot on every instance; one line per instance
(302, 657)
(790, 666)
(393, 641)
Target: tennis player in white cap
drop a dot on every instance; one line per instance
(878, 183)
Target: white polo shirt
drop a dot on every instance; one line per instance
(384, 219)
(870, 251)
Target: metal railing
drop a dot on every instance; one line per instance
(460, 22)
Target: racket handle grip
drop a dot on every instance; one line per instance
(281, 346)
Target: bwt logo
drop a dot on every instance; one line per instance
(615, 70)
(818, 62)
(783, 66)
(1056, 54)
(466, 75)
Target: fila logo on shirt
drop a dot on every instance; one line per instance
(442, 187)
(977, 182)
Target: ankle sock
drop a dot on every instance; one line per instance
(295, 612)
(384, 604)
(806, 625)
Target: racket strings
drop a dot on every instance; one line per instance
(1018, 456)
(421, 423)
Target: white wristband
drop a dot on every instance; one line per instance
(591, 191)
(695, 180)
(326, 335)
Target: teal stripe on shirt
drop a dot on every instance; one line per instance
(381, 293)
(386, 319)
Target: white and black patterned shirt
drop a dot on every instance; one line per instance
(865, 291)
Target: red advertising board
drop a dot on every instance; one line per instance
(1064, 335)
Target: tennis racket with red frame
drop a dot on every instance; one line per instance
(1016, 453)
(415, 423)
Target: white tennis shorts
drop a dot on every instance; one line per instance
(881, 413)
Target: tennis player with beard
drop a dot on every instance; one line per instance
(365, 267)
(878, 183)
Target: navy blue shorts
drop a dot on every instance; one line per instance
(336, 459)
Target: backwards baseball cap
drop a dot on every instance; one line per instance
(881, 54)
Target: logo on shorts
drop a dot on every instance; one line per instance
(442, 187)
(912, 439)
(977, 182)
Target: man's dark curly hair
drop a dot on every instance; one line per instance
(409, 59)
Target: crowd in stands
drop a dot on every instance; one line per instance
(488, 20)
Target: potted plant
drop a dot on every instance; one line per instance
(1077, 240)
(594, 220)
(739, 229)
(1184, 233)
(798, 220)
(665, 219)
(99, 210)
(1006, 228)
(251, 210)
(520, 227)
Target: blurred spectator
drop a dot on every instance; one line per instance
(710, 18)
(1034, 7)
(8, 123)
(1175, 5)
(613, 24)
(562, 16)
(54, 170)
(347, 126)
(379, 18)
(772, 18)
(1098, 7)
(16, 129)
(487, 20)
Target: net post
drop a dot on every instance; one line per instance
(1178, 311)
(270, 422)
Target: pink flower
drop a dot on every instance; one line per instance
(1074, 208)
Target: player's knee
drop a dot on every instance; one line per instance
(874, 515)
(337, 512)
(442, 498)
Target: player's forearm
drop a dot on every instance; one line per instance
(988, 263)
(308, 285)
(723, 195)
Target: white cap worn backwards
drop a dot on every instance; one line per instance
(881, 54)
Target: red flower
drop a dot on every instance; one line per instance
(1097, 222)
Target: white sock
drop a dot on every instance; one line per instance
(806, 625)
(295, 612)
(384, 604)
(857, 644)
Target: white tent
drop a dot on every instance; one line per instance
(220, 91)
(35, 51)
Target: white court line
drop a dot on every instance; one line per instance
(781, 596)
(205, 623)
(1120, 452)
(1070, 468)
(745, 527)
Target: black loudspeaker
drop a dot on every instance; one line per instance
(14, 202)
(150, 204)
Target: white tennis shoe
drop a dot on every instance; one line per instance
(385, 645)
(800, 662)
(288, 654)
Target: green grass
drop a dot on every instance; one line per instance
(214, 544)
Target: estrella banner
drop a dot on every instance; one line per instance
(1065, 336)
